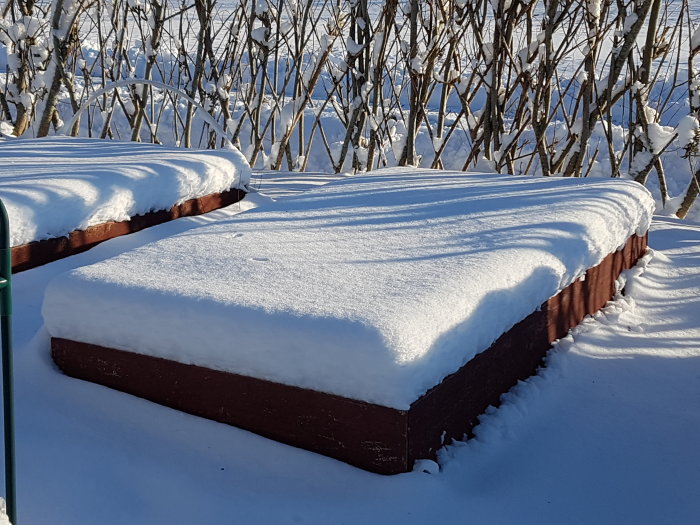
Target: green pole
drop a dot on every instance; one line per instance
(7, 387)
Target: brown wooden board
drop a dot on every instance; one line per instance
(451, 409)
(33, 254)
(372, 437)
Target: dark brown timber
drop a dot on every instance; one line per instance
(33, 254)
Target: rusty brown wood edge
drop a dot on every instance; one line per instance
(372, 437)
(33, 254)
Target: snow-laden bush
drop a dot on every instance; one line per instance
(573, 88)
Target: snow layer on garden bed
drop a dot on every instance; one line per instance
(52, 186)
(373, 288)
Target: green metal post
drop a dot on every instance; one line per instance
(7, 380)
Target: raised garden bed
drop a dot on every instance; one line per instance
(37, 253)
(372, 320)
(65, 195)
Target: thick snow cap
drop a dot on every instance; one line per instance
(52, 186)
(373, 288)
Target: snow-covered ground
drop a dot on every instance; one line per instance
(607, 433)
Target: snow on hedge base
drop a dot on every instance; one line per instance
(52, 186)
(373, 288)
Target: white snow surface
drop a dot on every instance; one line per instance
(374, 287)
(52, 186)
(605, 434)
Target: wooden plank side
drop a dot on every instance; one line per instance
(33, 254)
(451, 409)
(369, 436)
(582, 298)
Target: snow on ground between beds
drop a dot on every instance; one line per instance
(52, 186)
(373, 288)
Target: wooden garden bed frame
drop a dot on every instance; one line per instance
(372, 437)
(37, 253)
